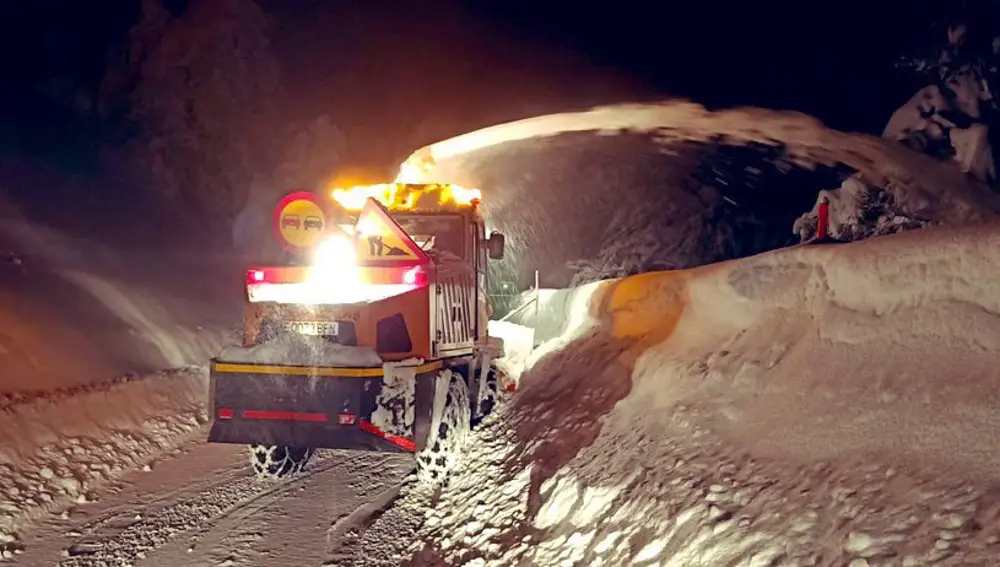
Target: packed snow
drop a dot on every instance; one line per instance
(815, 405)
(57, 450)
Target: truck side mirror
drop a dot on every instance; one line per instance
(495, 246)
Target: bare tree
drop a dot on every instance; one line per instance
(202, 89)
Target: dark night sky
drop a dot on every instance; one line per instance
(828, 59)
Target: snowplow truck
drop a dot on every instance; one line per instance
(373, 336)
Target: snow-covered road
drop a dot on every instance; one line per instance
(200, 505)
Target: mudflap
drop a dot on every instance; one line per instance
(483, 378)
(323, 407)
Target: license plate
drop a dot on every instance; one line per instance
(320, 328)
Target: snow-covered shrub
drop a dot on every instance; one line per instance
(858, 211)
(199, 87)
(951, 117)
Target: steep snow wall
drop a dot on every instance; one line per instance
(814, 404)
(534, 217)
(75, 312)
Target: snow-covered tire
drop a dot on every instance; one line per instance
(449, 430)
(272, 462)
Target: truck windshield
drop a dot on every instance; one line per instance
(438, 235)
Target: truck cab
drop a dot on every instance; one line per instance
(449, 265)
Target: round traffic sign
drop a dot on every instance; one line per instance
(299, 220)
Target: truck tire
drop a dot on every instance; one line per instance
(449, 431)
(272, 462)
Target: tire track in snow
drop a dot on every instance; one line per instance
(289, 524)
(123, 515)
(201, 512)
(349, 525)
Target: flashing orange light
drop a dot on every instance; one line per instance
(417, 168)
(404, 196)
(412, 172)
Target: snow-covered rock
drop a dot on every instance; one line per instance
(947, 125)
(973, 151)
(947, 120)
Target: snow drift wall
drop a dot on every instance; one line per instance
(544, 220)
(816, 404)
(75, 312)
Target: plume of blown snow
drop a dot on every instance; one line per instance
(942, 190)
(556, 211)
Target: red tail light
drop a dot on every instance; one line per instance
(298, 284)
(259, 275)
(415, 276)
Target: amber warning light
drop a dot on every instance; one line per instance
(404, 196)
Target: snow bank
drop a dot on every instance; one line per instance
(821, 404)
(56, 448)
(518, 342)
(76, 312)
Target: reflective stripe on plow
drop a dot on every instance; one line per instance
(286, 416)
(401, 442)
(237, 368)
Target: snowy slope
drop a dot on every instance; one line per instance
(76, 312)
(818, 404)
(102, 362)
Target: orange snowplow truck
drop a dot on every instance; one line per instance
(372, 337)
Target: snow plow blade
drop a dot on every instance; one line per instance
(319, 407)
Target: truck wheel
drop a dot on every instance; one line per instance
(449, 430)
(276, 461)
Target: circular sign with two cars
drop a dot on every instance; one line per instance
(299, 220)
